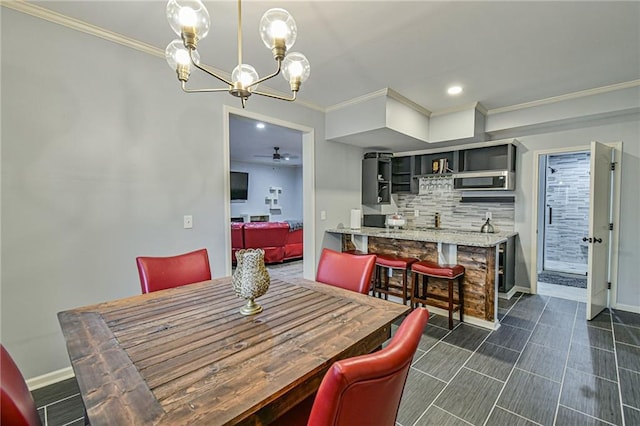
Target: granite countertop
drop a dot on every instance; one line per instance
(447, 236)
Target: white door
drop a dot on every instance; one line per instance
(598, 238)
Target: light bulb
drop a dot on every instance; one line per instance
(296, 67)
(278, 29)
(245, 74)
(176, 54)
(189, 14)
(278, 24)
(187, 17)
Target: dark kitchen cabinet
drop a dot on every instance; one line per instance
(497, 157)
(402, 172)
(376, 181)
(429, 164)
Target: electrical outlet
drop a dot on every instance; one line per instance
(323, 215)
(488, 215)
(188, 222)
(416, 213)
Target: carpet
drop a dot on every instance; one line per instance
(560, 278)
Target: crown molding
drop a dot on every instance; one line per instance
(357, 100)
(75, 24)
(84, 27)
(386, 92)
(407, 102)
(568, 96)
(474, 105)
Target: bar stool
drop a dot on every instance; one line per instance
(357, 252)
(449, 272)
(387, 263)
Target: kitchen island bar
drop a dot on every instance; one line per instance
(477, 252)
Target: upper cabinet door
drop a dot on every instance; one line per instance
(376, 181)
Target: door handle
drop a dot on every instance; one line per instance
(592, 240)
(550, 215)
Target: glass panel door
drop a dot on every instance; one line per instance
(566, 213)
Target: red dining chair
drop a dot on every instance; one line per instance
(159, 273)
(366, 390)
(17, 407)
(345, 270)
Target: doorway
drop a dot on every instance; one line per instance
(603, 233)
(306, 182)
(564, 180)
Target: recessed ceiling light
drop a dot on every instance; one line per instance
(454, 90)
(260, 125)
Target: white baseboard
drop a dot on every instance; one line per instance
(627, 308)
(467, 319)
(49, 378)
(526, 290)
(508, 295)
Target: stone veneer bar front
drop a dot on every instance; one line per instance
(476, 251)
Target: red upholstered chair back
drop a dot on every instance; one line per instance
(16, 403)
(366, 390)
(159, 273)
(346, 270)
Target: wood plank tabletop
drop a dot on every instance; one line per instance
(187, 356)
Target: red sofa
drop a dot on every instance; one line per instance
(275, 238)
(237, 239)
(293, 247)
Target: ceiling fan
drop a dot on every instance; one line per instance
(276, 156)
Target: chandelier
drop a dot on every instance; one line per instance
(190, 20)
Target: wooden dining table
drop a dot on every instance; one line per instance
(187, 356)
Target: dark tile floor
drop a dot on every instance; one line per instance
(545, 365)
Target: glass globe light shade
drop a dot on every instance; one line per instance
(278, 23)
(176, 53)
(188, 13)
(296, 65)
(245, 74)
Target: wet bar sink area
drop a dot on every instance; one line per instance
(481, 254)
(454, 230)
(436, 235)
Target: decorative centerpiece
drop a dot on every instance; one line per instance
(396, 221)
(250, 279)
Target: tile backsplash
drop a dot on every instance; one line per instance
(454, 214)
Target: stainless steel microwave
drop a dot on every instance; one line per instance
(493, 180)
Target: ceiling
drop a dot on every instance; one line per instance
(251, 144)
(501, 53)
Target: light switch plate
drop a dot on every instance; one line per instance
(188, 222)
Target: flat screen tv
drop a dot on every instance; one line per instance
(239, 185)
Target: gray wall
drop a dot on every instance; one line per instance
(102, 155)
(261, 178)
(626, 130)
